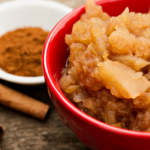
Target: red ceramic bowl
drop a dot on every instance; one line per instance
(91, 132)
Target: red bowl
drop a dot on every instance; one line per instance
(91, 132)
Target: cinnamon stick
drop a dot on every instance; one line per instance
(1, 132)
(23, 103)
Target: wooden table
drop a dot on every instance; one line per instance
(23, 132)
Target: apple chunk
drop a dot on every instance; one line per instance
(122, 81)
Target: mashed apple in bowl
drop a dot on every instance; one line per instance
(108, 72)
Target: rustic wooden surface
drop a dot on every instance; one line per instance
(23, 132)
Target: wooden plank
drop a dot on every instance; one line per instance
(23, 132)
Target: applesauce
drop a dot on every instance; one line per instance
(108, 72)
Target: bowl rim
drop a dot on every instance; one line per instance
(21, 79)
(65, 102)
(16, 3)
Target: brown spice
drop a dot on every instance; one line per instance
(1, 132)
(23, 103)
(21, 51)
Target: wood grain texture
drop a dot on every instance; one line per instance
(1, 132)
(23, 132)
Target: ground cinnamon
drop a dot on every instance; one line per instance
(21, 51)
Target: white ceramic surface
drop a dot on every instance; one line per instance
(30, 13)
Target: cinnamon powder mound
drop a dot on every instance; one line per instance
(21, 51)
